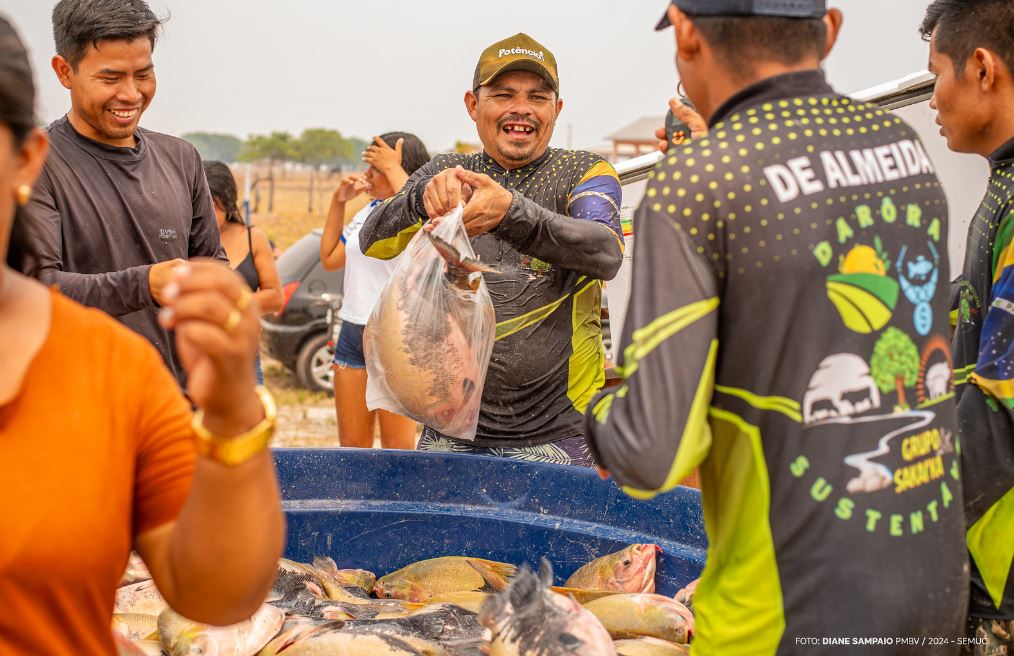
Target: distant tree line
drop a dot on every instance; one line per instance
(316, 147)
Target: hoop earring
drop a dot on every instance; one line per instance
(23, 195)
(679, 89)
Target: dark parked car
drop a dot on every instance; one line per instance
(298, 335)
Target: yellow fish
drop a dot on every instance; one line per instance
(422, 580)
(629, 570)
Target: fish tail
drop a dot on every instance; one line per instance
(494, 574)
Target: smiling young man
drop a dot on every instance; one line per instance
(548, 220)
(787, 335)
(972, 56)
(117, 206)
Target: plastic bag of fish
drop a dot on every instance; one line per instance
(430, 337)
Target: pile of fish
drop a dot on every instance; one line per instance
(450, 606)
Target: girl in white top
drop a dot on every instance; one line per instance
(392, 158)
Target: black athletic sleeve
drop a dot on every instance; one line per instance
(652, 431)
(393, 223)
(116, 293)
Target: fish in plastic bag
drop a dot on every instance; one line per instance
(430, 337)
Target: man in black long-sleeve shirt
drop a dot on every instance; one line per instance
(548, 220)
(117, 206)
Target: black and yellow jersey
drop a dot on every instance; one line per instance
(787, 334)
(560, 239)
(984, 376)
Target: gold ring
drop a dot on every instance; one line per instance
(232, 321)
(244, 300)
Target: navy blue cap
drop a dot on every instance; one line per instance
(780, 8)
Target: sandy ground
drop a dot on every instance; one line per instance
(305, 418)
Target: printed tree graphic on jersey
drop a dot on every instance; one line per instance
(895, 363)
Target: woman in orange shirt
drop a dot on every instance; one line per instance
(99, 452)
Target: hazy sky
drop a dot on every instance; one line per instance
(252, 66)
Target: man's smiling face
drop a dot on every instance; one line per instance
(515, 115)
(110, 87)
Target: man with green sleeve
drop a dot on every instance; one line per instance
(787, 334)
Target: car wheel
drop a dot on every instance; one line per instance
(313, 365)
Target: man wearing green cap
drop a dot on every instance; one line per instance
(787, 334)
(548, 220)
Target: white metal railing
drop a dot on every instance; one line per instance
(638, 168)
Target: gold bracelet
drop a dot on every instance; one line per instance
(236, 450)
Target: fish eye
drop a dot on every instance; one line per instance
(387, 594)
(626, 563)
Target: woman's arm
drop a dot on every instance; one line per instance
(332, 247)
(269, 296)
(215, 558)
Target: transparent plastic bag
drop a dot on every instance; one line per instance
(429, 339)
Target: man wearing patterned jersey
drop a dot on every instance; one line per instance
(972, 55)
(548, 220)
(787, 335)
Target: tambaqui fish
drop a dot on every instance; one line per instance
(686, 595)
(422, 580)
(629, 570)
(639, 615)
(430, 337)
(139, 599)
(650, 647)
(136, 626)
(182, 637)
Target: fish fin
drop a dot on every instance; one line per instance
(446, 250)
(325, 564)
(546, 572)
(523, 588)
(472, 265)
(582, 595)
(493, 573)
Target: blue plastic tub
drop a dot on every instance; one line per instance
(382, 510)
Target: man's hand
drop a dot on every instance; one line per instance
(382, 157)
(217, 325)
(698, 126)
(158, 277)
(444, 193)
(349, 187)
(487, 204)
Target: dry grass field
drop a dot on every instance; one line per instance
(291, 217)
(306, 419)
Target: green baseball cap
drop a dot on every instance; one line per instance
(517, 53)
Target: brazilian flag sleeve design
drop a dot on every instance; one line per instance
(986, 412)
(652, 431)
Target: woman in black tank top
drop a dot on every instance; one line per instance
(249, 255)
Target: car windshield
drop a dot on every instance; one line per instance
(298, 258)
